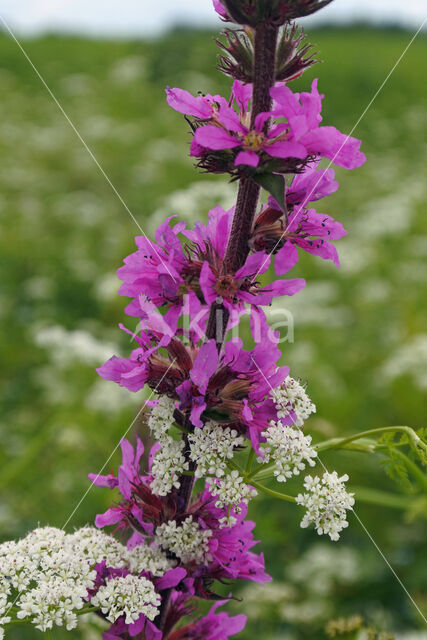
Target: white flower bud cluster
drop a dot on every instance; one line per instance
(130, 596)
(168, 465)
(289, 448)
(210, 448)
(46, 576)
(327, 503)
(161, 418)
(293, 396)
(188, 541)
(231, 491)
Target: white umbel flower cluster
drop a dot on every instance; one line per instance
(96, 546)
(289, 448)
(169, 464)
(50, 575)
(210, 448)
(149, 558)
(293, 396)
(188, 541)
(161, 418)
(327, 503)
(130, 596)
(231, 491)
(46, 577)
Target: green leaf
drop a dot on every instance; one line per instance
(275, 184)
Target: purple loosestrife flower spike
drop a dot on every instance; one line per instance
(214, 397)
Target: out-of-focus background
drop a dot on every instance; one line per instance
(360, 334)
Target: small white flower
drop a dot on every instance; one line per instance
(97, 546)
(327, 503)
(161, 418)
(293, 396)
(130, 596)
(188, 541)
(168, 465)
(231, 491)
(211, 447)
(149, 558)
(289, 448)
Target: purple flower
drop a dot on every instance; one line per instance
(249, 142)
(129, 470)
(212, 237)
(298, 138)
(235, 385)
(229, 547)
(134, 372)
(302, 112)
(309, 185)
(140, 509)
(304, 228)
(235, 290)
(200, 107)
(156, 272)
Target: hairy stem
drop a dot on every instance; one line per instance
(238, 248)
(248, 195)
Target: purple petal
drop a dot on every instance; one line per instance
(285, 259)
(124, 484)
(128, 455)
(261, 119)
(152, 632)
(214, 138)
(196, 150)
(341, 149)
(287, 287)
(219, 8)
(111, 516)
(229, 118)
(242, 94)
(185, 103)
(320, 247)
(286, 150)
(199, 405)
(247, 157)
(114, 368)
(170, 579)
(256, 263)
(207, 282)
(204, 365)
(109, 482)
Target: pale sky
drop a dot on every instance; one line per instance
(150, 17)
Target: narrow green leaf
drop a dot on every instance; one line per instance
(275, 184)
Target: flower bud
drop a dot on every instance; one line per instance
(252, 12)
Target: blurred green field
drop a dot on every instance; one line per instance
(360, 332)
